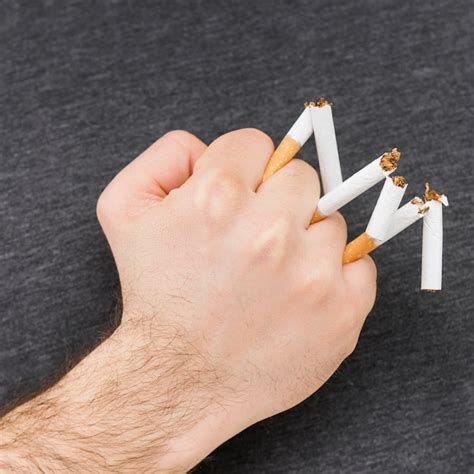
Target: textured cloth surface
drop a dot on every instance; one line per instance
(85, 86)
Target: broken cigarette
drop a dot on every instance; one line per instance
(357, 184)
(380, 220)
(403, 218)
(296, 137)
(432, 250)
(326, 144)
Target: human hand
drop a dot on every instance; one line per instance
(234, 308)
(224, 269)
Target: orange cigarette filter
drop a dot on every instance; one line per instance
(380, 221)
(283, 154)
(291, 145)
(358, 248)
(296, 137)
(317, 216)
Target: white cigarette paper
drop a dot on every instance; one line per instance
(404, 217)
(302, 129)
(326, 145)
(296, 137)
(357, 184)
(384, 210)
(432, 251)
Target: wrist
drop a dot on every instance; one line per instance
(157, 401)
(193, 405)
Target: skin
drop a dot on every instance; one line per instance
(234, 309)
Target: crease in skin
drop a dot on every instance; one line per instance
(272, 243)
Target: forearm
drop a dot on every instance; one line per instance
(235, 309)
(49, 432)
(125, 406)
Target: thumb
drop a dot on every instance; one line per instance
(148, 179)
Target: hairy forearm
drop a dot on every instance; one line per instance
(127, 406)
(235, 309)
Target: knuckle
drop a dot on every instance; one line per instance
(225, 179)
(303, 169)
(339, 222)
(183, 138)
(180, 134)
(310, 284)
(258, 135)
(233, 141)
(217, 192)
(320, 280)
(271, 244)
(300, 175)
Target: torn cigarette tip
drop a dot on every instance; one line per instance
(389, 160)
(380, 220)
(387, 203)
(399, 181)
(405, 216)
(433, 195)
(321, 102)
(326, 144)
(358, 183)
(432, 248)
(296, 137)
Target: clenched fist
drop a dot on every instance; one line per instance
(234, 307)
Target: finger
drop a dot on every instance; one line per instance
(361, 281)
(164, 166)
(241, 153)
(296, 187)
(329, 237)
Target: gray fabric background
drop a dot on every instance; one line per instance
(85, 86)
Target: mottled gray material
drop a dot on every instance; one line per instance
(85, 86)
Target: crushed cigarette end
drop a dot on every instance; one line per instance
(422, 209)
(321, 102)
(399, 181)
(431, 194)
(389, 160)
